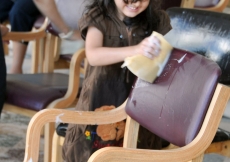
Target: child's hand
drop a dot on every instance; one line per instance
(150, 47)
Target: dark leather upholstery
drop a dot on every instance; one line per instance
(204, 32)
(35, 91)
(173, 107)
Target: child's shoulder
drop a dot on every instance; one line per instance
(93, 17)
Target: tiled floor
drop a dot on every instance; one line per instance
(13, 127)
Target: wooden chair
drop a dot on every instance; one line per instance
(179, 77)
(29, 93)
(193, 150)
(38, 37)
(183, 119)
(45, 40)
(219, 7)
(208, 34)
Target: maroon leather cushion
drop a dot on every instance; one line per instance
(174, 106)
(35, 91)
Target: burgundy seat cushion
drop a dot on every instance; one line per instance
(35, 91)
(174, 106)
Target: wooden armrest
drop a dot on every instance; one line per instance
(27, 36)
(186, 153)
(74, 81)
(66, 116)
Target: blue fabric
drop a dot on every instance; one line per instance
(21, 14)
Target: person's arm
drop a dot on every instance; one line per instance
(97, 55)
(49, 9)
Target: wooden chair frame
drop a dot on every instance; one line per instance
(194, 150)
(78, 117)
(68, 100)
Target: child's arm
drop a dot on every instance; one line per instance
(98, 55)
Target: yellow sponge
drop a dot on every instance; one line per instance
(145, 68)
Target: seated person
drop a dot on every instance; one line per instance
(64, 15)
(21, 15)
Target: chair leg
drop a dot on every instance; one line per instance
(49, 131)
(131, 133)
(38, 55)
(221, 148)
(48, 66)
(57, 148)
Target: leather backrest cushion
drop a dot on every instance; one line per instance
(174, 106)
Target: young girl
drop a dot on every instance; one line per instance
(113, 30)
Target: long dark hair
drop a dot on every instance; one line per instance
(149, 15)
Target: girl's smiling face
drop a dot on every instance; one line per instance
(130, 9)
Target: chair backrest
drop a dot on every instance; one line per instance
(203, 32)
(174, 106)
